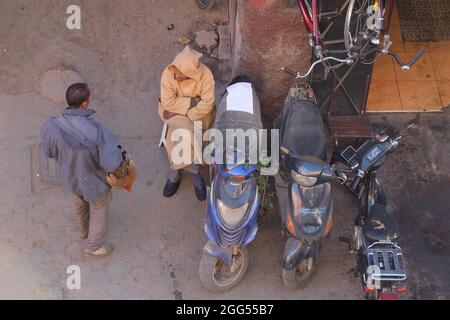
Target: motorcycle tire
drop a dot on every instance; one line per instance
(371, 296)
(207, 268)
(293, 280)
(205, 4)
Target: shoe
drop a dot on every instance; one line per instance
(103, 251)
(170, 188)
(200, 188)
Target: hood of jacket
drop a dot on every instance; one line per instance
(188, 62)
(79, 130)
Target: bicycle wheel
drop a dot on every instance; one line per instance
(358, 30)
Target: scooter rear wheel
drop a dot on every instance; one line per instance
(216, 276)
(372, 296)
(302, 274)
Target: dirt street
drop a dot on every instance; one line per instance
(120, 51)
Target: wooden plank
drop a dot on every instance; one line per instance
(350, 126)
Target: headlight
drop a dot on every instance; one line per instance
(302, 180)
(310, 220)
(311, 228)
(234, 188)
(232, 216)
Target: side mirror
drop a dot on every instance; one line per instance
(310, 171)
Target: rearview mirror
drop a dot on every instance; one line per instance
(309, 171)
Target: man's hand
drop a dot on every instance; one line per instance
(195, 101)
(167, 114)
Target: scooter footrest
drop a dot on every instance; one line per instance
(386, 261)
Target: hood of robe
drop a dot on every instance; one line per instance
(188, 62)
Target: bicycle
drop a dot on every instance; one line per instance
(364, 34)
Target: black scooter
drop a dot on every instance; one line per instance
(376, 233)
(375, 239)
(305, 203)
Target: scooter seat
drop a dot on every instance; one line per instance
(303, 132)
(380, 225)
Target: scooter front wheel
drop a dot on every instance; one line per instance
(217, 276)
(302, 274)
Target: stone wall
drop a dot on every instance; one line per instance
(267, 35)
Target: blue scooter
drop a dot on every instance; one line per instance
(233, 199)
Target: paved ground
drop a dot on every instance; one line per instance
(121, 52)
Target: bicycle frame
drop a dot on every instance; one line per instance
(312, 24)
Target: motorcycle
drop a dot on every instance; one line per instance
(376, 233)
(305, 203)
(233, 200)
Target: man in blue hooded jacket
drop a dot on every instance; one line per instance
(84, 151)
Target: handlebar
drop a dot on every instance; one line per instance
(389, 145)
(298, 75)
(290, 72)
(404, 65)
(355, 182)
(416, 57)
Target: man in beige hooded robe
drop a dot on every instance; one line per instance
(187, 95)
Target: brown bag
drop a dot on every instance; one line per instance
(124, 176)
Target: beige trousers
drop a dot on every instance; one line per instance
(91, 218)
